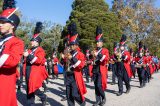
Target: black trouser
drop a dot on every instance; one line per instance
(20, 81)
(122, 76)
(86, 72)
(133, 69)
(72, 91)
(48, 69)
(65, 76)
(147, 74)
(98, 86)
(21, 73)
(114, 68)
(141, 75)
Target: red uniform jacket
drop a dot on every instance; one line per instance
(90, 66)
(127, 63)
(159, 64)
(145, 60)
(55, 63)
(150, 65)
(9, 59)
(38, 71)
(153, 65)
(132, 59)
(78, 66)
(136, 59)
(103, 68)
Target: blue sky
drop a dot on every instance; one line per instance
(56, 11)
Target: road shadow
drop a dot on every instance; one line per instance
(89, 101)
(135, 86)
(111, 91)
(57, 92)
(110, 83)
(53, 102)
(89, 86)
(62, 85)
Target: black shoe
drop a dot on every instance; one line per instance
(30, 103)
(128, 90)
(103, 102)
(119, 93)
(19, 89)
(141, 86)
(56, 76)
(91, 80)
(53, 77)
(83, 104)
(97, 103)
(45, 89)
(144, 84)
(149, 80)
(64, 99)
(113, 83)
(87, 81)
(44, 102)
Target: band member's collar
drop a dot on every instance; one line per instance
(74, 52)
(6, 36)
(122, 51)
(98, 48)
(34, 47)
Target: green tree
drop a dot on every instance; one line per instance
(1, 3)
(153, 41)
(139, 19)
(52, 38)
(50, 34)
(136, 17)
(88, 14)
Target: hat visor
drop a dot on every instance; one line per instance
(100, 40)
(5, 20)
(33, 39)
(73, 43)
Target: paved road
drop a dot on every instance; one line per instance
(147, 96)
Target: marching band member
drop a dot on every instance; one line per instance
(75, 86)
(123, 66)
(35, 68)
(55, 62)
(88, 66)
(101, 58)
(140, 61)
(114, 65)
(11, 51)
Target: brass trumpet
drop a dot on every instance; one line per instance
(66, 56)
(93, 52)
(119, 55)
(140, 65)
